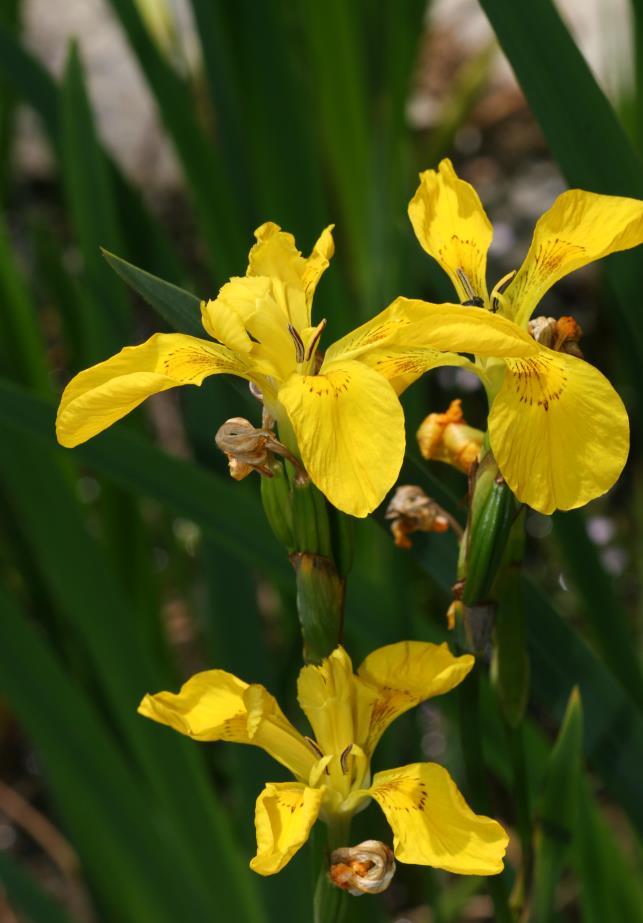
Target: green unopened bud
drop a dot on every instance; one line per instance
(320, 604)
(493, 511)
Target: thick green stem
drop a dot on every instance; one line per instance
(330, 902)
(469, 706)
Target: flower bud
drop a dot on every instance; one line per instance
(448, 438)
(367, 868)
(411, 510)
(561, 335)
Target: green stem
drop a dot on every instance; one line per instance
(329, 902)
(470, 724)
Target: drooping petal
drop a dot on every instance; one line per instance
(451, 225)
(433, 825)
(276, 255)
(402, 366)
(102, 394)
(215, 705)
(350, 433)
(558, 430)
(579, 228)
(404, 674)
(411, 324)
(284, 815)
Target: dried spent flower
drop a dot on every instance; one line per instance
(250, 449)
(448, 438)
(411, 510)
(561, 335)
(367, 868)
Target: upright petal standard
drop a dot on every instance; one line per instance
(431, 822)
(558, 430)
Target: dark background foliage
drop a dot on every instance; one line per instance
(133, 561)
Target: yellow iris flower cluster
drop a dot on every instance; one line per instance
(557, 428)
(348, 713)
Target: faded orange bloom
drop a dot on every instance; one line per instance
(447, 437)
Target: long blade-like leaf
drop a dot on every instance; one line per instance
(580, 125)
(132, 860)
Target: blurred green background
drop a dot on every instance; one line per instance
(166, 134)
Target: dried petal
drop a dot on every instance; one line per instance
(367, 868)
(250, 449)
(411, 510)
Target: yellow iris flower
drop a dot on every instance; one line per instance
(558, 430)
(432, 824)
(341, 416)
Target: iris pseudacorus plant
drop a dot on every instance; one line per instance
(557, 428)
(340, 416)
(431, 823)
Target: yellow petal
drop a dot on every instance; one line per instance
(104, 393)
(215, 705)
(411, 324)
(558, 430)
(404, 365)
(350, 433)
(332, 702)
(250, 315)
(451, 225)
(433, 825)
(226, 317)
(579, 228)
(284, 815)
(404, 674)
(276, 255)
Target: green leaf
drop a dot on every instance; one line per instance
(560, 660)
(131, 858)
(341, 108)
(579, 123)
(611, 889)
(557, 811)
(603, 610)
(91, 202)
(179, 308)
(146, 240)
(10, 17)
(580, 126)
(212, 198)
(26, 895)
(86, 593)
(25, 354)
(228, 511)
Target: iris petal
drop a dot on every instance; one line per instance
(284, 815)
(104, 393)
(558, 430)
(433, 825)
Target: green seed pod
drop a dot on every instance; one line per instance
(277, 504)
